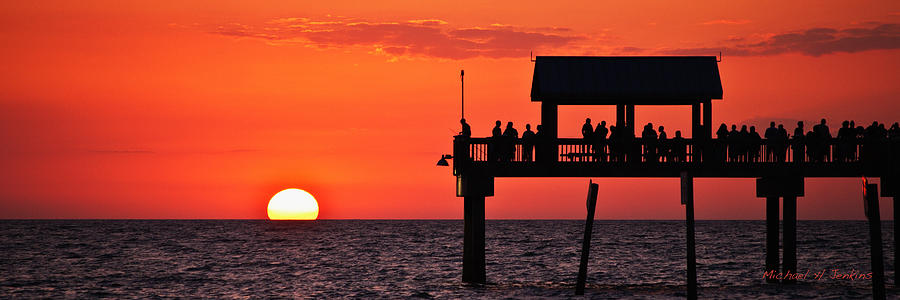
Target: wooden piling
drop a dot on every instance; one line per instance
(896, 241)
(772, 223)
(790, 238)
(473, 240)
(874, 216)
(687, 199)
(586, 242)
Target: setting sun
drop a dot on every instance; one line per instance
(293, 204)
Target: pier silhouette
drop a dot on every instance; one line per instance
(779, 163)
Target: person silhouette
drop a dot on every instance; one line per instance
(722, 133)
(781, 144)
(466, 129)
(587, 132)
(798, 143)
(824, 138)
(755, 141)
(894, 144)
(721, 142)
(510, 135)
(539, 141)
(678, 147)
(894, 132)
(743, 144)
(600, 141)
(733, 141)
(649, 136)
(853, 139)
(614, 143)
(662, 145)
(860, 140)
(771, 135)
(527, 143)
(495, 151)
(844, 141)
(812, 146)
(883, 148)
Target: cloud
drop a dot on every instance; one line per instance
(435, 38)
(811, 42)
(411, 38)
(726, 22)
(108, 151)
(195, 151)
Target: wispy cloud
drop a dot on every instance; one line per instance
(435, 38)
(187, 151)
(812, 42)
(726, 22)
(421, 37)
(106, 151)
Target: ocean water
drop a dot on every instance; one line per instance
(416, 259)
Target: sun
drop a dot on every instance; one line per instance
(293, 204)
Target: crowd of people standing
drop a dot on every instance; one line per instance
(612, 144)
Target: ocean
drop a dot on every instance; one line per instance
(418, 259)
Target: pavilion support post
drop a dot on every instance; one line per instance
(695, 131)
(687, 199)
(549, 123)
(629, 118)
(772, 257)
(874, 217)
(707, 119)
(790, 239)
(620, 116)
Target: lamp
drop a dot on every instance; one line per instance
(443, 162)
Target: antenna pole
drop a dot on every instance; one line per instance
(462, 93)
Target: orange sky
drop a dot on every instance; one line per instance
(167, 109)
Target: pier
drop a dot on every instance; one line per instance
(627, 83)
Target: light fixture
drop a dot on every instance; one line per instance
(443, 162)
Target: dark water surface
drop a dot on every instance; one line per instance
(399, 259)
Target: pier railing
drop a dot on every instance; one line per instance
(638, 150)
